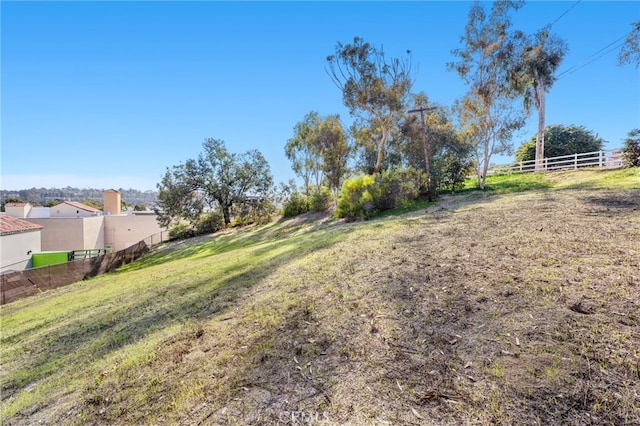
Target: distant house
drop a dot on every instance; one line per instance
(73, 209)
(615, 158)
(19, 239)
(18, 209)
(75, 226)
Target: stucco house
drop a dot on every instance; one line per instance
(19, 239)
(18, 209)
(75, 226)
(73, 209)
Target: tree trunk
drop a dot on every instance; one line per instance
(539, 96)
(381, 144)
(226, 213)
(427, 164)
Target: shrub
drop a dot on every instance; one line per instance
(631, 150)
(253, 211)
(398, 188)
(320, 199)
(209, 223)
(356, 199)
(296, 204)
(366, 196)
(180, 231)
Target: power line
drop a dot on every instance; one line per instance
(611, 47)
(565, 12)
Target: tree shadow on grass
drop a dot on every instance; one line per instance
(618, 202)
(61, 350)
(225, 242)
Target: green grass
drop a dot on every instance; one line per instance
(121, 316)
(628, 178)
(187, 324)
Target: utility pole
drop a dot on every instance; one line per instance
(425, 147)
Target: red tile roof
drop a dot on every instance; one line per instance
(16, 204)
(14, 225)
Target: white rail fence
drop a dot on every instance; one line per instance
(604, 158)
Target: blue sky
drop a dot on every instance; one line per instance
(109, 94)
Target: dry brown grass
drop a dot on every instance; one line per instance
(514, 309)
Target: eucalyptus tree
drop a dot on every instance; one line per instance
(374, 89)
(486, 112)
(216, 180)
(533, 62)
(630, 51)
(429, 136)
(319, 150)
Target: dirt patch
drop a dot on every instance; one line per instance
(514, 309)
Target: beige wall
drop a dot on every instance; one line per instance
(111, 201)
(93, 232)
(14, 250)
(18, 211)
(85, 233)
(71, 233)
(123, 231)
(65, 210)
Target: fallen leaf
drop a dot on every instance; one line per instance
(415, 412)
(428, 395)
(452, 340)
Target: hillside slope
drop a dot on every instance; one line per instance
(512, 309)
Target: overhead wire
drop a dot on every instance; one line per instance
(616, 44)
(564, 13)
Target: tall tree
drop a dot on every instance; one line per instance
(319, 150)
(179, 197)
(561, 140)
(218, 179)
(533, 63)
(630, 51)
(373, 88)
(486, 111)
(334, 151)
(302, 152)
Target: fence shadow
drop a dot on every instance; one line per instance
(20, 284)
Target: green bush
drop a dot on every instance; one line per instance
(320, 199)
(253, 211)
(356, 199)
(631, 149)
(398, 188)
(296, 204)
(366, 196)
(209, 223)
(180, 231)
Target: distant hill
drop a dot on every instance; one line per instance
(40, 196)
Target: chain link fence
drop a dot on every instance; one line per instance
(19, 284)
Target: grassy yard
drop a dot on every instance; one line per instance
(516, 305)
